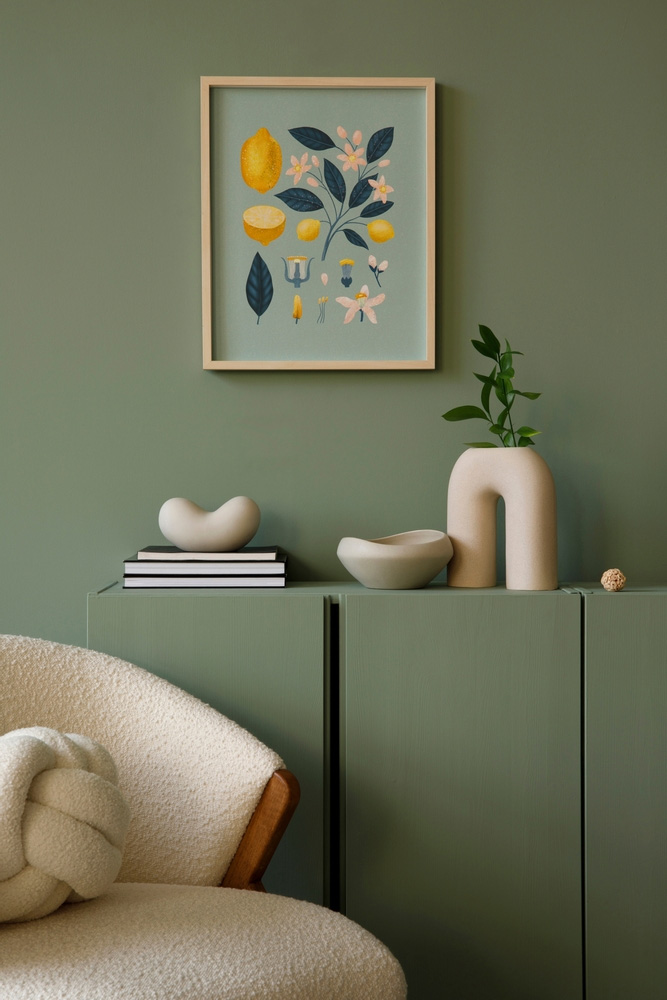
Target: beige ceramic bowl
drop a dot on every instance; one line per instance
(396, 562)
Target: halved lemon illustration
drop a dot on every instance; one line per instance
(308, 229)
(264, 223)
(261, 161)
(380, 230)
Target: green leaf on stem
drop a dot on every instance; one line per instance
(505, 393)
(490, 339)
(498, 382)
(489, 383)
(483, 349)
(465, 413)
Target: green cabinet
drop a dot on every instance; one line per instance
(461, 777)
(258, 658)
(444, 753)
(625, 670)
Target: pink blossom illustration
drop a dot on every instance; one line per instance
(380, 189)
(362, 304)
(298, 168)
(352, 158)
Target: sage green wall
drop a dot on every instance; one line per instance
(552, 227)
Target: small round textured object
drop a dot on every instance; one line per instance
(613, 579)
(63, 821)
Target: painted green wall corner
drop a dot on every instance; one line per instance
(551, 229)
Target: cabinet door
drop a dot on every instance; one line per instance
(626, 795)
(257, 658)
(461, 777)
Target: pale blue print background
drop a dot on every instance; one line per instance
(236, 114)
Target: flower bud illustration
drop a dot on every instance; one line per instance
(347, 266)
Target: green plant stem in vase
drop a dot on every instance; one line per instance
(498, 382)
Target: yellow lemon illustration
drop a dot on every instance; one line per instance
(380, 230)
(308, 229)
(261, 161)
(264, 223)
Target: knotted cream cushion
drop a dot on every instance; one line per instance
(63, 821)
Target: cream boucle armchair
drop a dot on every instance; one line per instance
(209, 803)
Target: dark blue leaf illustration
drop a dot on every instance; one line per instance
(335, 181)
(300, 199)
(355, 238)
(259, 286)
(362, 191)
(379, 143)
(375, 208)
(313, 138)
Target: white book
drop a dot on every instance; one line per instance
(139, 567)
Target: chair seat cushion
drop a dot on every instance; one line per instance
(172, 942)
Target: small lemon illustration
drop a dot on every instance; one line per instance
(380, 230)
(308, 229)
(261, 161)
(264, 223)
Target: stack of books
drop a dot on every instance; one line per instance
(167, 566)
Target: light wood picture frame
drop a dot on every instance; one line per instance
(318, 223)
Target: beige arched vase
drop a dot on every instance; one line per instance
(523, 479)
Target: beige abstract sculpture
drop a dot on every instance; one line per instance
(226, 529)
(523, 479)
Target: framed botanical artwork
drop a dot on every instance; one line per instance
(318, 223)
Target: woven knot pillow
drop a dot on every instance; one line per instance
(63, 821)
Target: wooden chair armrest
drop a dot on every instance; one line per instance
(267, 825)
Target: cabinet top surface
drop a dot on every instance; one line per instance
(339, 588)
